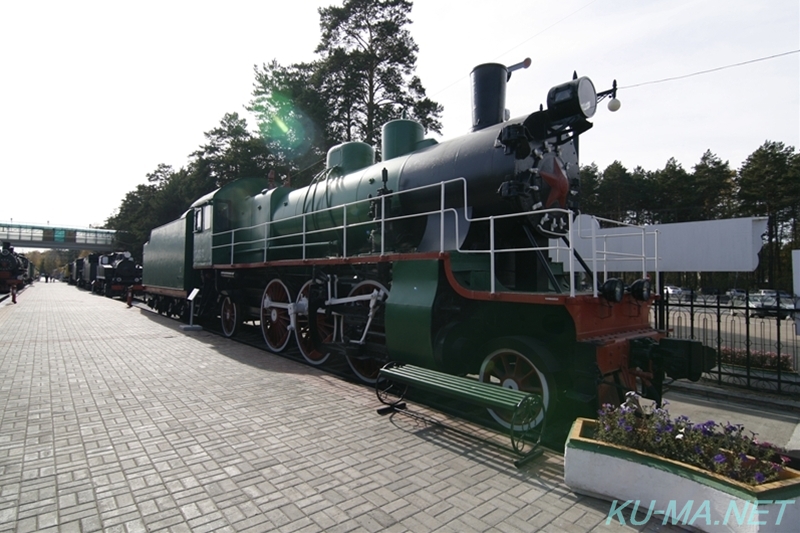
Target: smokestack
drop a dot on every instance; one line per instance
(489, 92)
(488, 95)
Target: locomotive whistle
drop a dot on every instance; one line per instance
(517, 66)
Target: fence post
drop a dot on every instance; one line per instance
(719, 342)
(778, 336)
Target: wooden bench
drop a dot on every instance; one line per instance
(395, 378)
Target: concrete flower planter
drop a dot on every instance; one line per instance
(669, 491)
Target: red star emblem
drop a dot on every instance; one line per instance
(559, 186)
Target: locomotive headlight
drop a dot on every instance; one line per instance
(613, 290)
(574, 98)
(641, 289)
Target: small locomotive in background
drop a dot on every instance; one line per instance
(15, 269)
(112, 274)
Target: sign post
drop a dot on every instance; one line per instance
(191, 326)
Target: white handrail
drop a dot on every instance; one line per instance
(600, 256)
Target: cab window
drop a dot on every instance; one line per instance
(198, 219)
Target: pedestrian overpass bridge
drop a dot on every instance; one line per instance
(61, 238)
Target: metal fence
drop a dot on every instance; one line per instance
(757, 344)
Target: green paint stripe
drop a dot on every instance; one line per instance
(784, 492)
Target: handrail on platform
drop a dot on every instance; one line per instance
(600, 258)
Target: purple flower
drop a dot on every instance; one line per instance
(730, 428)
(707, 428)
(706, 437)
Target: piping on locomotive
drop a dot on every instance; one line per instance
(440, 255)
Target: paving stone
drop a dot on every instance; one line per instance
(114, 419)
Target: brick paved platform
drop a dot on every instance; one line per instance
(113, 419)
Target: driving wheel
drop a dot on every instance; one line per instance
(275, 320)
(514, 366)
(230, 317)
(366, 366)
(324, 324)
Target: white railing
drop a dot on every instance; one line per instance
(613, 260)
(303, 241)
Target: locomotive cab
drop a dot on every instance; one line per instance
(221, 218)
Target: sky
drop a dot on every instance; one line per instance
(94, 95)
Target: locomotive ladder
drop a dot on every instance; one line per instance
(395, 378)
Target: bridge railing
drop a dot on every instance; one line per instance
(34, 236)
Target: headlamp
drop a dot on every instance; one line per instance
(574, 98)
(613, 290)
(641, 289)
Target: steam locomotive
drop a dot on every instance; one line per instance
(112, 274)
(75, 275)
(117, 273)
(15, 269)
(456, 256)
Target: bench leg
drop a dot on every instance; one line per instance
(524, 417)
(391, 408)
(530, 456)
(390, 392)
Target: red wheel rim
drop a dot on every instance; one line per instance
(325, 328)
(367, 369)
(275, 319)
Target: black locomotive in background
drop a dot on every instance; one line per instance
(113, 274)
(15, 269)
